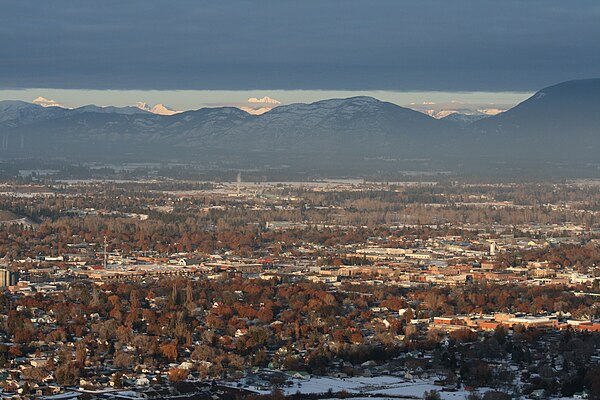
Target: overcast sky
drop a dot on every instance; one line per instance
(260, 46)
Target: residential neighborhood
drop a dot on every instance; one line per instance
(272, 288)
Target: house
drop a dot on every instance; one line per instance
(186, 262)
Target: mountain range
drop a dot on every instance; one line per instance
(560, 122)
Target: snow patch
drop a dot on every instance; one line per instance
(256, 111)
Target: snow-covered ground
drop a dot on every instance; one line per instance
(386, 386)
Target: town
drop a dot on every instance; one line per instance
(172, 288)
(289, 200)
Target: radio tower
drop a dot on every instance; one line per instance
(105, 252)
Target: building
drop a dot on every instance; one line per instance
(529, 321)
(8, 278)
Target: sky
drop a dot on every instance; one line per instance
(192, 53)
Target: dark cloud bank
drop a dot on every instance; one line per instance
(354, 45)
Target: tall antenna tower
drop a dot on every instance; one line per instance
(239, 181)
(105, 252)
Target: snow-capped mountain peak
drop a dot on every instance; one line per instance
(265, 100)
(44, 102)
(142, 106)
(159, 109)
(256, 106)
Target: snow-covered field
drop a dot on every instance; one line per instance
(385, 386)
